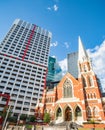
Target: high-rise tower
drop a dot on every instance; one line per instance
(23, 65)
(51, 69)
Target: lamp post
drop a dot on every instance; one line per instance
(3, 127)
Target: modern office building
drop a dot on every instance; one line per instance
(72, 63)
(24, 56)
(54, 74)
(51, 68)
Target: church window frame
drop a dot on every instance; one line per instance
(91, 95)
(94, 95)
(90, 81)
(58, 112)
(78, 112)
(95, 111)
(88, 96)
(85, 68)
(89, 111)
(84, 81)
(67, 89)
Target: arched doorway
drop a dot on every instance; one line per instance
(68, 114)
(78, 113)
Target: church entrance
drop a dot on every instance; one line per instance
(68, 114)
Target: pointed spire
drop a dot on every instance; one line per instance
(82, 54)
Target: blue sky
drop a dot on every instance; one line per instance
(66, 19)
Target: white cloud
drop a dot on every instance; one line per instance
(98, 60)
(55, 7)
(97, 55)
(49, 8)
(54, 44)
(53, 56)
(63, 65)
(66, 44)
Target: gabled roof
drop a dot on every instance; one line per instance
(70, 77)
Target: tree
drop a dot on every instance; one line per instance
(4, 113)
(23, 117)
(46, 117)
(32, 119)
(12, 119)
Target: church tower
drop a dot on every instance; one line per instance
(92, 95)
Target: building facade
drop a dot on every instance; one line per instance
(54, 73)
(51, 69)
(72, 64)
(74, 99)
(24, 56)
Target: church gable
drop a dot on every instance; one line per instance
(65, 77)
(65, 88)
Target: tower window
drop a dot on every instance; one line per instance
(95, 111)
(90, 81)
(88, 111)
(84, 81)
(85, 68)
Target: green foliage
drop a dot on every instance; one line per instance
(23, 117)
(92, 121)
(4, 112)
(29, 126)
(32, 119)
(40, 100)
(1, 113)
(12, 119)
(46, 117)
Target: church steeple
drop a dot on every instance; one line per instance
(83, 59)
(82, 54)
(91, 91)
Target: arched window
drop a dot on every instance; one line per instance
(91, 95)
(83, 81)
(59, 112)
(88, 96)
(80, 67)
(89, 66)
(78, 111)
(90, 81)
(94, 95)
(95, 111)
(67, 89)
(88, 112)
(85, 68)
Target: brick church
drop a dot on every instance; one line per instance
(74, 99)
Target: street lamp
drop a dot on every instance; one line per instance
(3, 127)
